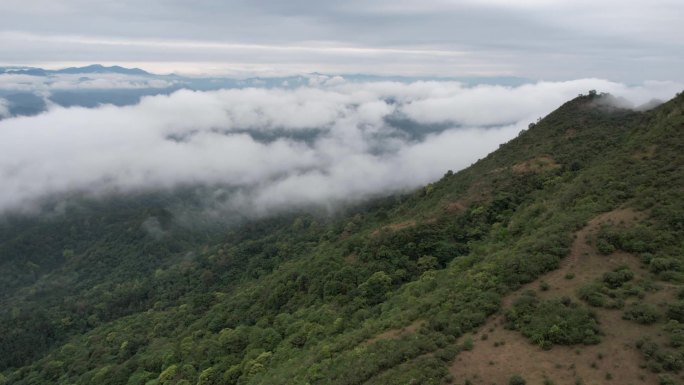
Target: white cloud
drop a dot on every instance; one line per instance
(472, 106)
(54, 82)
(4, 109)
(311, 145)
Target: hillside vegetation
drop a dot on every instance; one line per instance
(551, 260)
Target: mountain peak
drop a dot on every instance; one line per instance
(99, 68)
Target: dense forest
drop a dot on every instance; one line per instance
(396, 290)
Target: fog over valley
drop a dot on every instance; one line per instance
(357, 192)
(328, 141)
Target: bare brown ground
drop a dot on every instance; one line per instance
(647, 153)
(514, 354)
(351, 258)
(401, 225)
(538, 164)
(394, 227)
(478, 191)
(455, 207)
(394, 333)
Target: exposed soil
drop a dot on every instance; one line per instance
(538, 164)
(478, 191)
(395, 333)
(647, 153)
(455, 207)
(499, 353)
(351, 258)
(394, 227)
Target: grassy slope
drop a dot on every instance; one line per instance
(382, 295)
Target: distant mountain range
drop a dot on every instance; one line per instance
(21, 101)
(263, 81)
(91, 69)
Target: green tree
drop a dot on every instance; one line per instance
(376, 288)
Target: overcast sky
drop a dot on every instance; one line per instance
(628, 41)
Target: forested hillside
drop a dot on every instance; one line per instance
(410, 289)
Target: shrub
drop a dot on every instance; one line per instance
(544, 286)
(604, 247)
(675, 311)
(617, 277)
(468, 344)
(642, 313)
(516, 379)
(675, 329)
(592, 295)
(658, 265)
(553, 322)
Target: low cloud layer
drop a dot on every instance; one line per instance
(4, 109)
(60, 82)
(277, 148)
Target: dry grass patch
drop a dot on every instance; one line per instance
(395, 333)
(539, 164)
(395, 227)
(646, 153)
(455, 207)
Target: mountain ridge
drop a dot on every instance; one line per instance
(360, 77)
(393, 291)
(89, 69)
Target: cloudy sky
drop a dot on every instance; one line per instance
(324, 140)
(628, 41)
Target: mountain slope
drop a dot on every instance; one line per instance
(387, 292)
